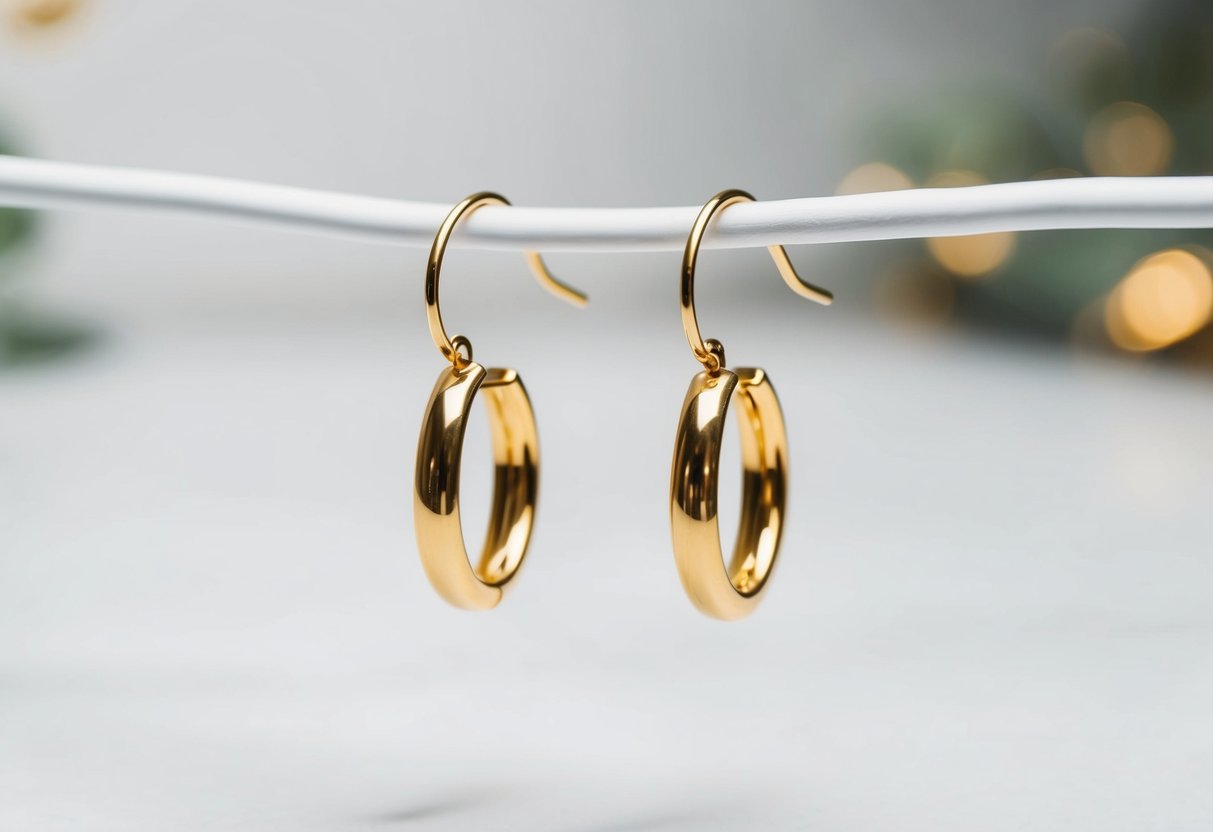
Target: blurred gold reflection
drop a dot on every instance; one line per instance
(1056, 173)
(873, 177)
(974, 255)
(910, 294)
(1127, 139)
(1090, 64)
(38, 14)
(1165, 298)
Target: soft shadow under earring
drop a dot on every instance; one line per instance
(732, 592)
(439, 449)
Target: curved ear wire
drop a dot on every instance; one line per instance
(795, 282)
(448, 346)
(710, 352)
(548, 281)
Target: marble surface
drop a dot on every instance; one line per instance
(994, 608)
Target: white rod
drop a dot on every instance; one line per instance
(1155, 202)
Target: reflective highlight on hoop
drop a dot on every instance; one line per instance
(436, 518)
(730, 592)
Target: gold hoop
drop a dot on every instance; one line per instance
(730, 593)
(734, 591)
(515, 440)
(436, 519)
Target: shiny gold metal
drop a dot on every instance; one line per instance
(710, 353)
(548, 281)
(515, 442)
(449, 346)
(730, 593)
(436, 488)
(734, 591)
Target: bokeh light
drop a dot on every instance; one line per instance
(1128, 139)
(1164, 298)
(972, 255)
(1056, 173)
(873, 177)
(910, 294)
(40, 14)
(1089, 66)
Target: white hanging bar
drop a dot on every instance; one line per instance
(1146, 202)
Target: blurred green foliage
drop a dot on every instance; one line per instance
(16, 226)
(1164, 61)
(26, 336)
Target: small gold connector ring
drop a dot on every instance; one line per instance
(690, 324)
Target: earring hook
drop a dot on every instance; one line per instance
(449, 347)
(710, 353)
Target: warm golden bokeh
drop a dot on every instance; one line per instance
(911, 294)
(42, 13)
(1085, 52)
(972, 256)
(1163, 299)
(956, 179)
(1056, 173)
(873, 177)
(976, 254)
(1128, 139)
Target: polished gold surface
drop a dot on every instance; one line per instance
(548, 281)
(448, 346)
(436, 487)
(709, 353)
(730, 592)
(440, 449)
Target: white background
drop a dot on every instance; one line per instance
(993, 604)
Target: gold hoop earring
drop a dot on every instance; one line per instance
(733, 592)
(515, 444)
